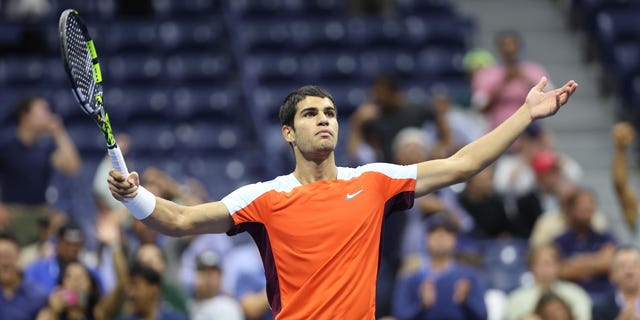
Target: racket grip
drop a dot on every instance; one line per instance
(117, 160)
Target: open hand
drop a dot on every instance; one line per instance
(543, 104)
(623, 134)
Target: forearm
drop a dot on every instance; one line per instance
(623, 190)
(177, 220)
(66, 157)
(482, 152)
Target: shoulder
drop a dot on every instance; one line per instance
(390, 170)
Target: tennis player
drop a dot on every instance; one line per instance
(318, 228)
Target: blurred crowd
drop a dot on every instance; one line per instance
(523, 239)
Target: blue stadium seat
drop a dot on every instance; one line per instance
(191, 34)
(333, 65)
(397, 62)
(427, 32)
(186, 8)
(138, 35)
(88, 138)
(138, 103)
(614, 27)
(208, 137)
(133, 68)
(269, 35)
(254, 9)
(196, 67)
(504, 262)
(151, 137)
(221, 103)
(369, 32)
(312, 34)
(23, 71)
(426, 7)
(264, 102)
(440, 62)
(220, 174)
(270, 68)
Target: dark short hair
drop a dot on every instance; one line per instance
(23, 106)
(288, 106)
(508, 34)
(148, 274)
(7, 236)
(388, 80)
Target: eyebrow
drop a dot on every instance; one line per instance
(317, 108)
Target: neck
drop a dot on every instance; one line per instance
(10, 287)
(26, 135)
(630, 294)
(439, 263)
(312, 169)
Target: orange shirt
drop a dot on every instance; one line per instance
(320, 242)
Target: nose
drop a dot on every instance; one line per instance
(323, 120)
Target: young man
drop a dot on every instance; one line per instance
(38, 146)
(318, 228)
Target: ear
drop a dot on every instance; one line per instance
(288, 133)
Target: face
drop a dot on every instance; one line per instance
(68, 251)
(151, 256)
(384, 95)
(141, 293)
(9, 254)
(315, 127)
(625, 271)
(508, 47)
(76, 278)
(411, 152)
(555, 310)
(545, 266)
(39, 116)
(207, 283)
(441, 242)
(582, 211)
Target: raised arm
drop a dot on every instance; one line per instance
(622, 136)
(475, 156)
(168, 217)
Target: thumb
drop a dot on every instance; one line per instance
(541, 84)
(134, 178)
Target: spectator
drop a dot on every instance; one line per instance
(384, 116)
(20, 299)
(486, 206)
(244, 279)
(623, 135)
(150, 255)
(39, 145)
(444, 289)
(622, 303)
(208, 301)
(553, 223)
(544, 262)
(498, 90)
(143, 297)
(47, 271)
(586, 253)
(551, 307)
(218, 243)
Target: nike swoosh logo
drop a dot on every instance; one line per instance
(353, 195)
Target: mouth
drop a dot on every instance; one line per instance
(324, 133)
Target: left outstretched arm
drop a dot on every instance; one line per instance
(472, 158)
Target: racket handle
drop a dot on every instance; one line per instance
(117, 160)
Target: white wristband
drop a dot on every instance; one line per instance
(142, 205)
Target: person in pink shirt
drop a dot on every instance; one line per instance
(498, 90)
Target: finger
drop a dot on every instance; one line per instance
(117, 175)
(541, 84)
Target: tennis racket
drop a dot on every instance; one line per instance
(83, 69)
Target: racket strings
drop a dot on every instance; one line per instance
(79, 59)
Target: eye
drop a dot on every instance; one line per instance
(330, 113)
